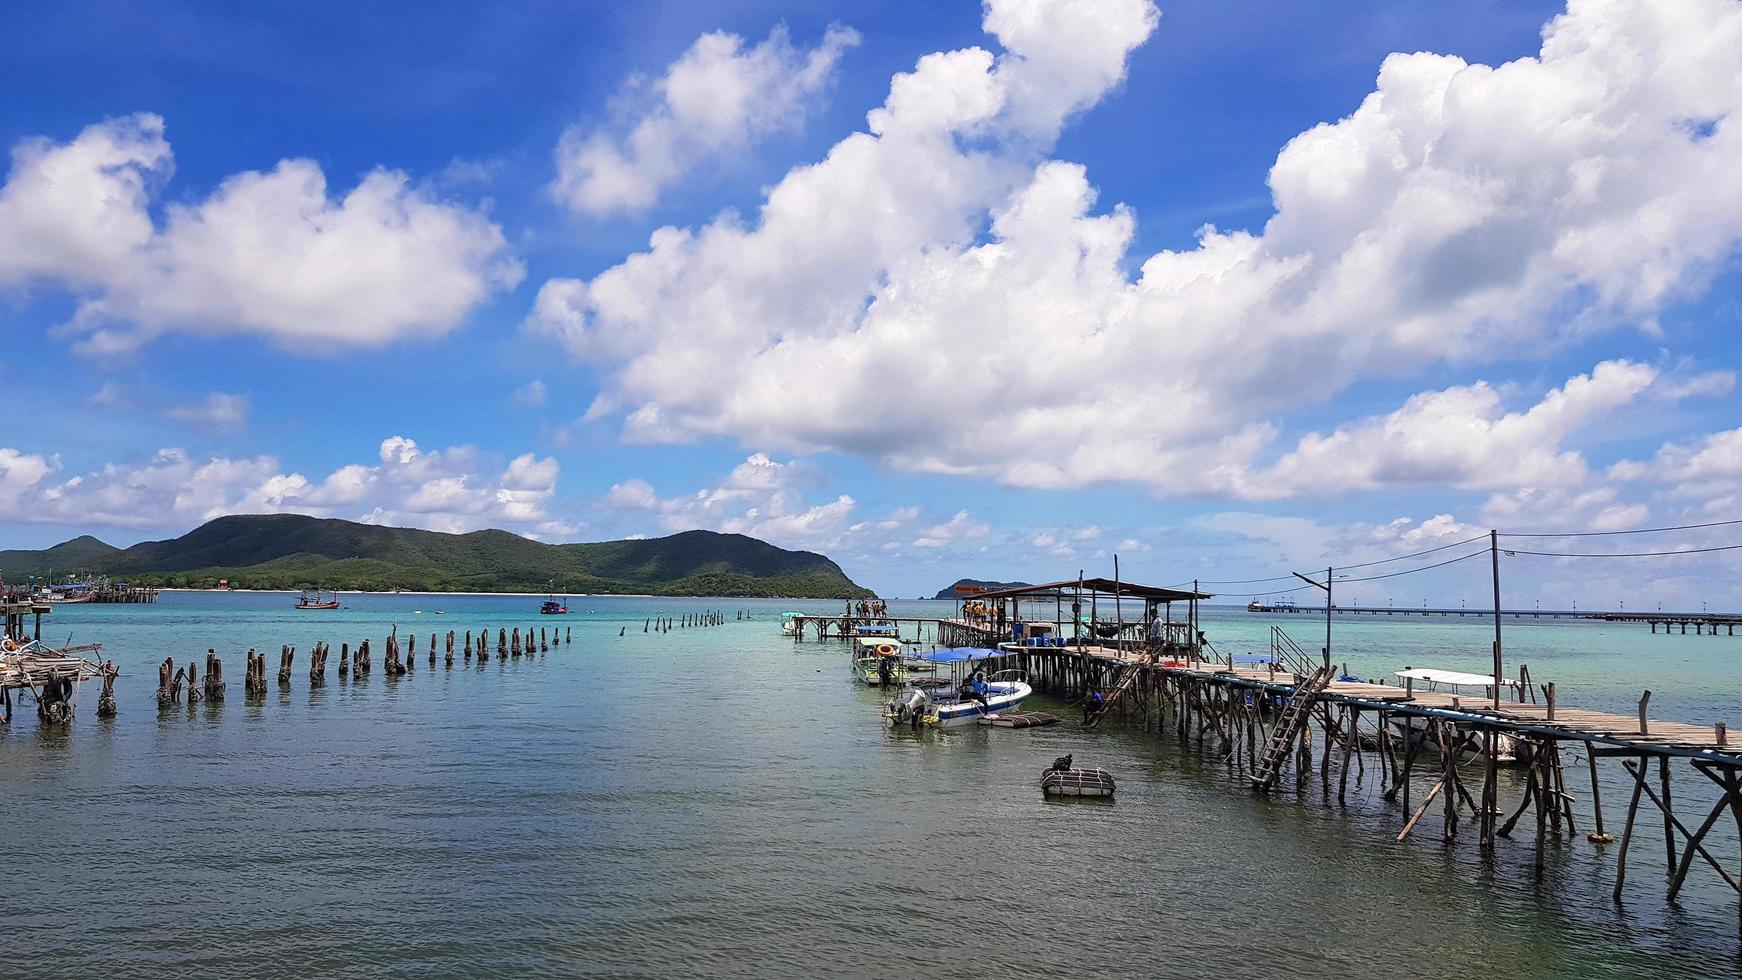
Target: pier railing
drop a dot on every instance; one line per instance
(1289, 654)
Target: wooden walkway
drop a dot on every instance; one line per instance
(1247, 716)
(1627, 731)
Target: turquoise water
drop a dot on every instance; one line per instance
(725, 802)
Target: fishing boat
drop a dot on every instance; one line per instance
(552, 607)
(877, 661)
(955, 702)
(314, 599)
(1470, 746)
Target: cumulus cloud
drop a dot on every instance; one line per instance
(532, 393)
(218, 412)
(760, 497)
(718, 97)
(1461, 212)
(270, 253)
(962, 527)
(1463, 437)
(441, 490)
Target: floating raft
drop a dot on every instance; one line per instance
(1019, 719)
(1076, 782)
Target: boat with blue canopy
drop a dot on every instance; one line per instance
(965, 698)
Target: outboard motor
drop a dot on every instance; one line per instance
(910, 708)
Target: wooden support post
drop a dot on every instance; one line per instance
(1667, 806)
(1597, 837)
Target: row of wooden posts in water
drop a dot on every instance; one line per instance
(665, 624)
(173, 683)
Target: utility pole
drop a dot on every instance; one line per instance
(1326, 585)
(1494, 559)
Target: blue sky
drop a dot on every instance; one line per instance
(592, 270)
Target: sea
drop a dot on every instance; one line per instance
(725, 801)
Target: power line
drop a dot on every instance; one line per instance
(1254, 595)
(1365, 564)
(1443, 547)
(1636, 530)
(1622, 554)
(1412, 571)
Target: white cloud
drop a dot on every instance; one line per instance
(1048, 543)
(532, 393)
(1460, 437)
(1462, 212)
(763, 498)
(267, 253)
(218, 412)
(962, 527)
(718, 97)
(446, 490)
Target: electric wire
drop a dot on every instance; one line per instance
(1636, 530)
(1622, 554)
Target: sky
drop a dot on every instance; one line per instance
(1227, 289)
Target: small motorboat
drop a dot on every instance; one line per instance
(317, 600)
(877, 661)
(1063, 779)
(1468, 745)
(789, 623)
(962, 700)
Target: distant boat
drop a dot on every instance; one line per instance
(552, 607)
(789, 623)
(317, 600)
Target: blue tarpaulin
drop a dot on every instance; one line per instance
(958, 655)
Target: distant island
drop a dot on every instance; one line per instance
(288, 551)
(984, 586)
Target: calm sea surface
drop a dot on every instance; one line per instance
(724, 802)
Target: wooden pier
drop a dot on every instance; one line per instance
(1272, 722)
(1703, 623)
(49, 675)
(943, 631)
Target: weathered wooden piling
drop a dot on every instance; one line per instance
(54, 700)
(344, 660)
(106, 702)
(468, 652)
(501, 643)
(432, 646)
(253, 674)
(285, 657)
(543, 641)
(317, 667)
(514, 642)
(215, 685)
(450, 650)
(193, 682)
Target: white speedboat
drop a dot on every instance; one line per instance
(789, 623)
(964, 699)
(1471, 744)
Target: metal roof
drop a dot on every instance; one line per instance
(1105, 586)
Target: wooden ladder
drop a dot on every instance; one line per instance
(1127, 681)
(1288, 727)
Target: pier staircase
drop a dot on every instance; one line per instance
(1288, 727)
(1288, 654)
(1129, 675)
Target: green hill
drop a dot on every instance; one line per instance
(981, 584)
(287, 551)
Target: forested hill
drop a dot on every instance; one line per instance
(287, 551)
(979, 584)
